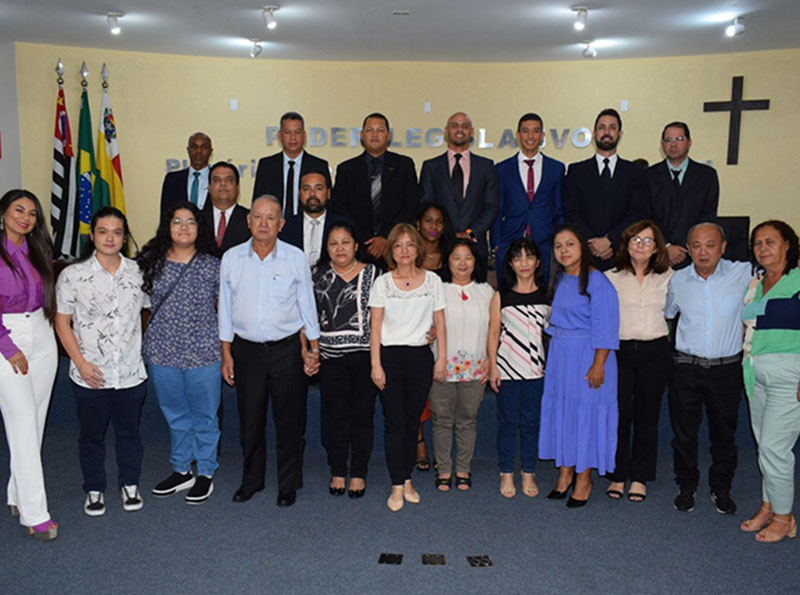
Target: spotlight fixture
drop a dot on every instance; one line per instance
(735, 28)
(113, 22)
(269, 16)
(256, 50)
(589, 51)
(580, 20)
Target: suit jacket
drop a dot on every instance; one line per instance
(515, 212)
(236, 230)
(174, 188)
(600, 213)
(399, 194)
(479, 208)
(697, 201)
(269, 174)
(292, 232)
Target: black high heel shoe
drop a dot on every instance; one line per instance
(557, 495)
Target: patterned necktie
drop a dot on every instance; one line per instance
(195, 188)
(375, 191)
(314, 243)
(221, 228)
(457, 180)
(289, 210)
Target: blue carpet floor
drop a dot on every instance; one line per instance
(326, 544)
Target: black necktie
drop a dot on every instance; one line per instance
(605, 177)
(457, 180)
(289, 206)
(676, 180)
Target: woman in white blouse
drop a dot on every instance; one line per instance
(455, 402)
(641, 277)
(403, 303)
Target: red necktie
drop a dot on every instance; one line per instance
(221, 228)
(529, 162)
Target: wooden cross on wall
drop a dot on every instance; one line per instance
(735, 106)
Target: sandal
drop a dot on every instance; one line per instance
(754, 524)
(14, 510)
(443, 484)
(634, 495)
(464, 483)
(529, 487)
(44, 531)
(422, 463)
(507, 487)
(764, 536)
(614, 493)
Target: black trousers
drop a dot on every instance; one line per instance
(719, 388)
(409, 375)
(349, 396)
(271, 371)
(643, 372)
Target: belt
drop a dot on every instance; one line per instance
(269, 343)
(705, 362)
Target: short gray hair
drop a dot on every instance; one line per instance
(712, 224)
(268, 197)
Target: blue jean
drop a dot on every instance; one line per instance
(189, 399)
(123, 407)
(519, 407)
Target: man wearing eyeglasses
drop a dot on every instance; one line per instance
(683, 192)
(226, 219)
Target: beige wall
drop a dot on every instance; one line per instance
(159, 99)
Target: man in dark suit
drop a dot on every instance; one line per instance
(605, 193)
(307, 230)
(462, 183)
(377, 189)
(530, 186)
(279, 174)
(226, 219)
(190, 184)
(683, 192)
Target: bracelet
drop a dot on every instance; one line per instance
(314, 350)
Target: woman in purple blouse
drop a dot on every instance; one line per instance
(28, 345)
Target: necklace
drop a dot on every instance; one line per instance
(347, 272)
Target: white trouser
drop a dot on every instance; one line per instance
(23, 402)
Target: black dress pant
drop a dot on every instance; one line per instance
(643, 372)
(349, 396)
(409, 375)
(719, 388)
(263, 371)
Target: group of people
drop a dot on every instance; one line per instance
(387, 295)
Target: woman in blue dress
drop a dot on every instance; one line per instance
(579, 405)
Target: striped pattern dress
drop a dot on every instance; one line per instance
(523, 317)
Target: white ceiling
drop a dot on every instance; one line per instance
(436, 30)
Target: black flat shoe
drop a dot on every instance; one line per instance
(336, 491)
(356, 493)
(286, 500)
(244, 493)
(575, 503)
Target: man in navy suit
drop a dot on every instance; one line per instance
(376, 189)
(279, 174)
(530, 186)
(683, 192)
(462, 183)
(190, 184)
(308, 229)
(605, 193)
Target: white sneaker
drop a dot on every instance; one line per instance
(95, 504)
(131, 498)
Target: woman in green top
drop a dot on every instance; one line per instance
(772, 375)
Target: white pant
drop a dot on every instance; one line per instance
(24, 400)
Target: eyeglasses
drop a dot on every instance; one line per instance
(639, 241)
(674, 139)
(190, 222)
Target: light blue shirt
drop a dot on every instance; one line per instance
(266, 300)
(681, 168)
(710, 325)
(202, 185)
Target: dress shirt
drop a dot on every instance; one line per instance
(313, 249)
(106, 319)
(463, 162)
(523, 169)
(467, 323)
(20, 290)
(641, 307)
(298, 163)
(612, 163)
(228, 214)
(202, 185)
(710, 325)
(266, 300)
(681, 168)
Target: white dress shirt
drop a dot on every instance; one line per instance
(298, 162)
(523, 170)
(312, 237)
(612, 163)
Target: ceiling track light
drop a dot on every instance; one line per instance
(735, 28)
(580, 19)
(113, 22)
(256, 49)
(589, 51)
(269, 16)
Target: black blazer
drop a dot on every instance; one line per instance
(269, 174)
(697, 201)
(292, 232)
(601, 214)
(236, 230)
(174, 188)
(399, 193)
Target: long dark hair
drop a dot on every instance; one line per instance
(787, 234)
(40, 248)
(154, 253)
(478, 273)
(517, 247)
(324, 257)
(556, 268)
